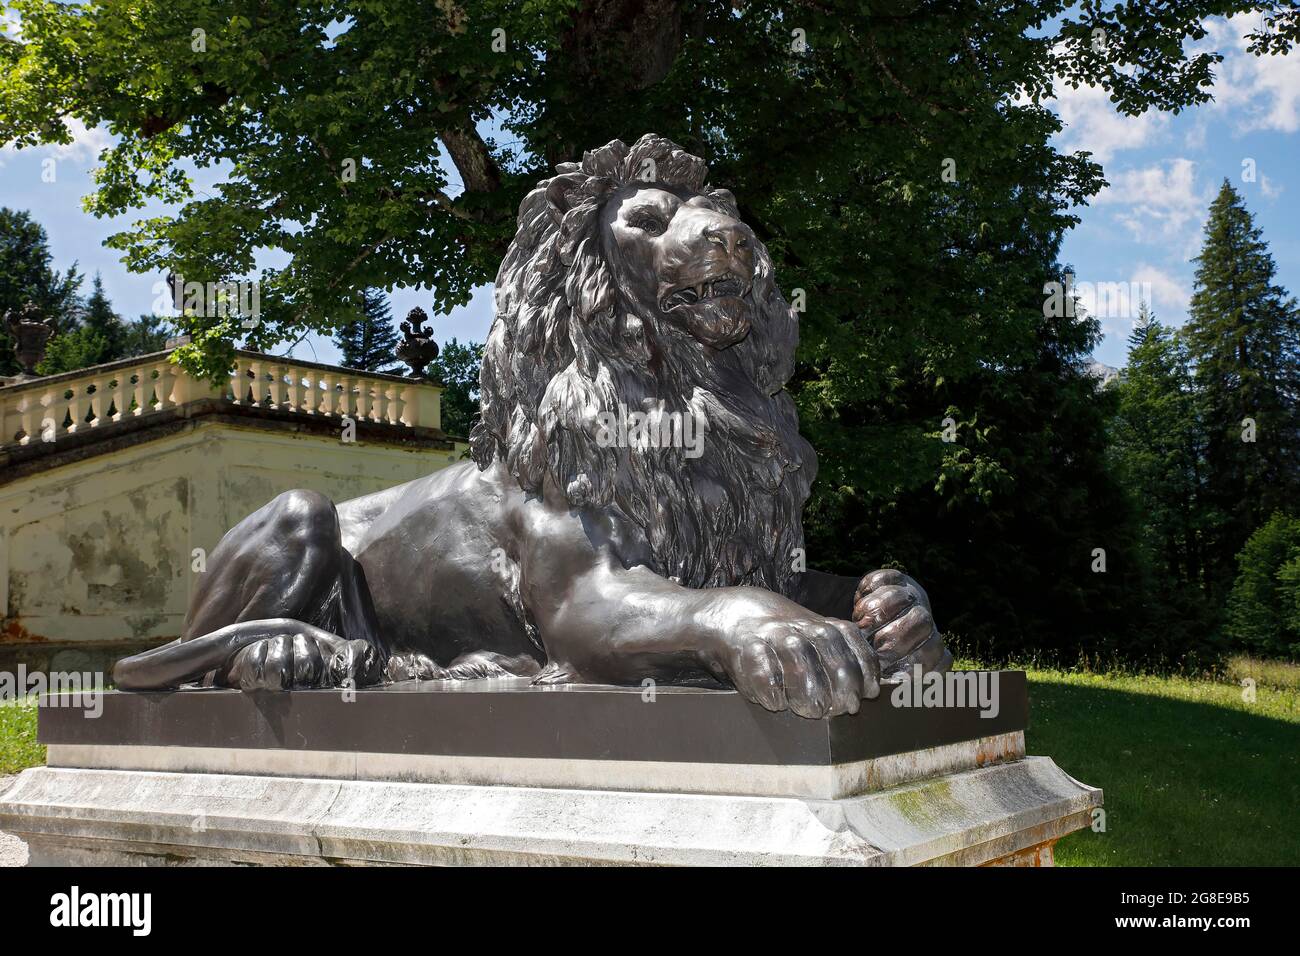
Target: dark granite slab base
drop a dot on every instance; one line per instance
(496, 718)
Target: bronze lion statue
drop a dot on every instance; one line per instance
(633, 508)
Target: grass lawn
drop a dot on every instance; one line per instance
(18, 747)
(1193, 773)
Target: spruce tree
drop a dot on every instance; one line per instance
(1157, 448)
(369, 342)
(98, 336)
(102, 321)
(1146, 322)
(1243, 336)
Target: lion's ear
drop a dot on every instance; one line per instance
(564, 192)
(726, 199)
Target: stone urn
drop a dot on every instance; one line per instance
(31, 333)
(418, 348)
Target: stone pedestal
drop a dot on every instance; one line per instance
(496, 772)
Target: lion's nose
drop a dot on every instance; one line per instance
(732, 236)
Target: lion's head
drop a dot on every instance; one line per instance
(632, 287)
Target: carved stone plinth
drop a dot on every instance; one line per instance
(491, 772)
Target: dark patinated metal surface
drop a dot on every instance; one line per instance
(570, 551)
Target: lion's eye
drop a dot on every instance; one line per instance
(647, 224)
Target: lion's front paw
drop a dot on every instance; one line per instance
(895, 611)
(816, 667)
(414, 666)
(288, 661)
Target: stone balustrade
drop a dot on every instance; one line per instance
(73, 403)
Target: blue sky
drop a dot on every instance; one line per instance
(1144, 228)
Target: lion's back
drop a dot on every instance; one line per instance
(433, 542)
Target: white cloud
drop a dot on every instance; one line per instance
(1092, 123)
(1270, 189)
(1169, 294)
(1115, 300)
(1160, 203)
(1250, 92)
(87, 142)
(1257, 92)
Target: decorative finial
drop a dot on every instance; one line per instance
(419, 348)
(30, 333)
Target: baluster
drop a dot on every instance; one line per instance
(295, 391)
(152, 390)
(73, 407)
(92, 403)
(236, 380)
(412, 401)
(360, 399)
(276, 384)
(49, 404)
(137, 393)
(244, 386)
(99, 402)
(381, 401)
(348, 405)
(27, 412)
(398, 407)
(328, 401)
(259, 387)
(113, 397)
(164, 385)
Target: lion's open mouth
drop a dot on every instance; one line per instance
(712, 288)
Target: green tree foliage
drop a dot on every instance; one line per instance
(98, 336)
(148, 333)
(897, 165)
(26, 276)
(1025, 539)
(456, 367)
(100, 318)
(369, 342)
(1243, 336)
(1158, 450)
(1264, 607)
(356, 138)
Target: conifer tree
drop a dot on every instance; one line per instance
(1157, 448)
(369, 342)
(100, 319)
(1243, 337)
(98, 336)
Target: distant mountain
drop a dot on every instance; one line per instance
(1106, 373)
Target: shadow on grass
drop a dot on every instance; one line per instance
(1186, 783)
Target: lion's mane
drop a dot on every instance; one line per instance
(568, 342)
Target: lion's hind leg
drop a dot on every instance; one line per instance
(282, 604)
